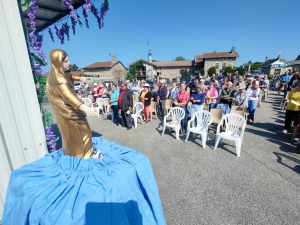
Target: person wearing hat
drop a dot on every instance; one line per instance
(145, 98)
(82, 91)
(95, 91)
(240, 98)
(253, 93)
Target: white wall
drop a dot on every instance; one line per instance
(22, 138)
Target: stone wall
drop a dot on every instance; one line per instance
(212, 62)
(168, 72)
(108, 73)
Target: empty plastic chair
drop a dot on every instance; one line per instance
(233, 123)
(153, 109)
(177, 114)
(87, 101)
(99, 102)
(137, 108)
(204, 119)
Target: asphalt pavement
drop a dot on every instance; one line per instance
(203, 186)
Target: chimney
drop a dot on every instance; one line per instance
(267, 58)
(113, 59)
(233, 50)
(149, 57)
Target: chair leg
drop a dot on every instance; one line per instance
(187, 135)
(294, 134)
(217, 142)
(238, 148)
(177, 133)
(162, 134)
(135, 122)
(203, 138)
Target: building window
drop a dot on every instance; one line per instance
(223, 66)
(217, 65)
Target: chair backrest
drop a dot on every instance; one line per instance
(91, 97)
(217, 115)
(204, 118)
(100, 102)
(138, 108)
(168, 103)
(233, 122)
(177, 113)
(86, 101)
(106, 101)
(152, 106)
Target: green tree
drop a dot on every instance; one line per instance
(179, 58)
(75, 67)
(211, 71)
(202, 71)
(256, 65)
(298, 58)
(134, 69)
(228, 69)
(241, 70)
(185, 74)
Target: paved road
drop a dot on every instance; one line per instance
(203, 186)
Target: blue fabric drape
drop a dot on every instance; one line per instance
(118, 189)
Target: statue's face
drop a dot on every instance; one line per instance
(66, 64)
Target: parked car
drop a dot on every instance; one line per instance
(258, 72)
(77, 86)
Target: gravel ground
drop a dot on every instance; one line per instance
(203, 186)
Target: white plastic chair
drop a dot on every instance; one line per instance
(87, 101)
(233, 123)
(204, 119)
(177, 114)
(138, 107)
(100, 103)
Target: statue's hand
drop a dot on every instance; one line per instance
(88, 110)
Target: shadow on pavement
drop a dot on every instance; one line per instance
(281, 156)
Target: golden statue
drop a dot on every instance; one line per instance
(68, 109)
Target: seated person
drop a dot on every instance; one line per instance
(226, 94)
(240, 98)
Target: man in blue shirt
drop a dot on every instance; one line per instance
(284, 81)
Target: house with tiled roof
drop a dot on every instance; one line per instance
(110, 70)
(270, 66)
(166, 69)
(220, 60)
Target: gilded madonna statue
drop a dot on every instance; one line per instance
(68, 109)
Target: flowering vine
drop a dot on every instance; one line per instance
(35, 41)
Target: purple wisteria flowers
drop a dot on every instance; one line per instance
(50, 138)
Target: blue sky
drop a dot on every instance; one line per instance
(187, 28)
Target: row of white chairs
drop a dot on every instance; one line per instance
(100, 105)
(234, 126)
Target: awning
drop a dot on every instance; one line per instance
(49, 12)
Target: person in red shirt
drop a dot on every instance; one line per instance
(183, 98)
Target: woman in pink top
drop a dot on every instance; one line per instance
(183, 99)
(212, 94)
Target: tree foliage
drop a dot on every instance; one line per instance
(202, 71)
(298, 58)
(179, 58)
(256, 65)
(241, 70)
(228, 69)
(185, 74)
(134, 69)
(211, 71)
(75, 67)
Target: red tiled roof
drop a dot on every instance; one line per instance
(173, 63)
(99, 65)
(198, 58)
(220, 55)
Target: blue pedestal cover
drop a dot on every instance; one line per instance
(61, 190)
